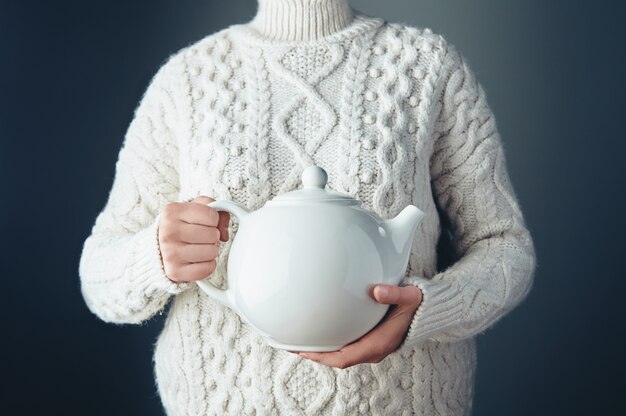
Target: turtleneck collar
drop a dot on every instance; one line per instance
(301, 20)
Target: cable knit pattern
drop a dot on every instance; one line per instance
(396, 116)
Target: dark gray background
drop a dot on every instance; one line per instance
(71, 73)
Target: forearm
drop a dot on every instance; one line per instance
(471, 185)
(490, 280)
(122, 279)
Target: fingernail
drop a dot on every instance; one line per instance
(383, 291)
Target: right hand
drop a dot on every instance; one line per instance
(189, 233)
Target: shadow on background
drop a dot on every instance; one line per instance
(73, 71)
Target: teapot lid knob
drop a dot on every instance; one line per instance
(314, 181)
(314, 177)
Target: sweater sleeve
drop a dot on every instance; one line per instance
(121, 272)
(470, 183)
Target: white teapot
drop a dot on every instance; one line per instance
(300, 267)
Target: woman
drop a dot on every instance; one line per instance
(396, 116)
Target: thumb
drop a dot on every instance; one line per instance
(397, 295)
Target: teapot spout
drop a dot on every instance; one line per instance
(401, 229)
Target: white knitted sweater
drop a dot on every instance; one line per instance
(396, 116)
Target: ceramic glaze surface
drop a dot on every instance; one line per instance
(299, 269)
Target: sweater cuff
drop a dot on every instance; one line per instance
(441, 308)
(148, 272)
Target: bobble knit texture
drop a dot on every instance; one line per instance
(396, 116)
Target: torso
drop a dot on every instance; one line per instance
(362, 108)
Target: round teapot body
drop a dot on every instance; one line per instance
(301, 276)
(301, 269)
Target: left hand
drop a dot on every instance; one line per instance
(385, 338)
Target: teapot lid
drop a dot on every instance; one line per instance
(314, 180)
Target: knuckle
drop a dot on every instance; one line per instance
(164, 237)
(168, 235)
(170, 211)
(394, 294)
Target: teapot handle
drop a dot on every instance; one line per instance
(223, 296)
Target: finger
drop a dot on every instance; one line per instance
(197, 234)
(357, 352)
(199, 214)
(397, 295)
(331, 359)
(222, 225)
(195, 253)
(198, 271)
(203, 199)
